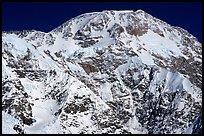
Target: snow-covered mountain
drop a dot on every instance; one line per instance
(102, 72)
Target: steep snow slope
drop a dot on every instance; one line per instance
(102, 72)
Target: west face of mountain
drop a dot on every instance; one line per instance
(102, 72)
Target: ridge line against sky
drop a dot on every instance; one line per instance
(46, 16)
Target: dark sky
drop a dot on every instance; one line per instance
(45, 16)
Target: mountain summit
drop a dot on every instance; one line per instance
(102, 72)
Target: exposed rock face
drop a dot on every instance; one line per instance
(89, 68)
(103, 72)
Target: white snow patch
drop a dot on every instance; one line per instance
(43, 114)
(105, 92)
(159, 45)
(7, 123)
